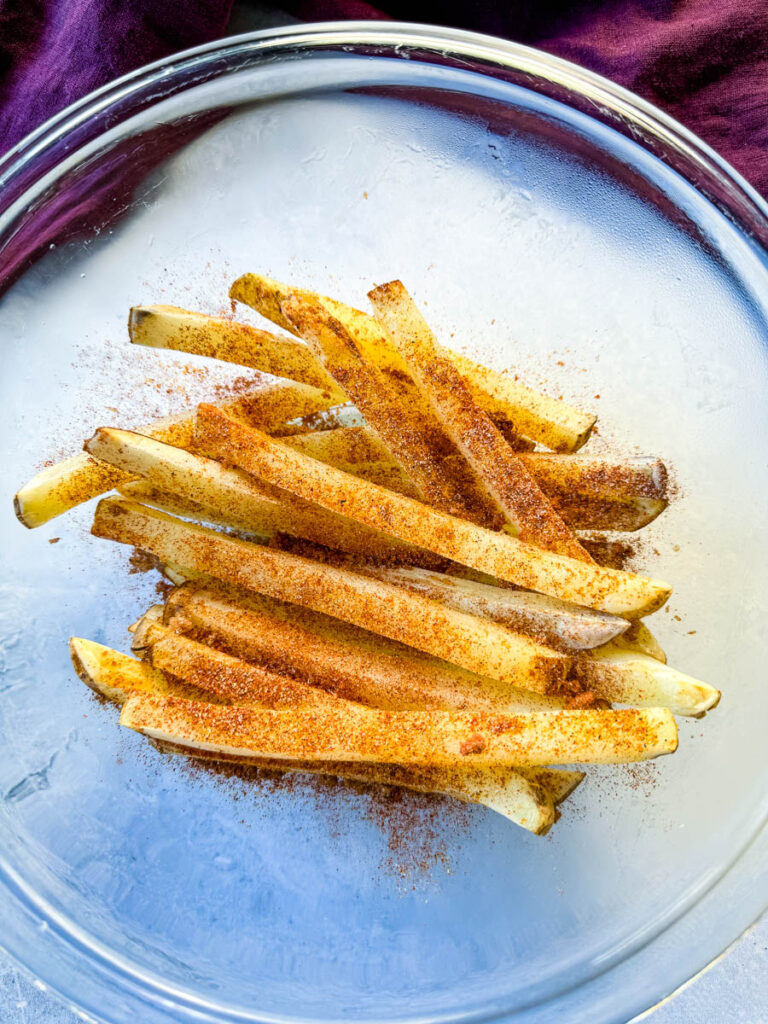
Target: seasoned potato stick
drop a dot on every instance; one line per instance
(590, 493)
(520, 796)
(419, 738)
(516, 795)
(627, 677)
(396, 681)
(399, 414)
(66, 484)
(526, 509)
(229, 678)
(568, 627)
(494, 787)
(465, 640)
(639, 638)
(220, 338)
(230, 497)
(549, 421)
(497, 554)
(116, 676)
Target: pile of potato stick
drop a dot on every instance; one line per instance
(381, 562)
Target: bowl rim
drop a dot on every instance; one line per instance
(752, 217)
(404, 34)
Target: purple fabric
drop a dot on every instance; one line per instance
(52, 52)
(703, 61)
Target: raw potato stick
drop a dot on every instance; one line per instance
(515, 795)
(66, 484)
(419, 738)
(639, 638)
(228, 678)
(465, 640)
(399, 414)
(526, 509)
(549, 421)
(304, 524)
(497, 554)
(217, 337)
(520, 796)
(116, 676)
(590, 493)
(629, 677)
(463, 782)
(526, 798)
(392, 681)
(565, 626)
(229, 497)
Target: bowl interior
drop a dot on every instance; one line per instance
(537, 240)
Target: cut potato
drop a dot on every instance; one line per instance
(66, 484)
(221, 338)
(466, 640)
(519, 796)
(549, 421)
(590, 493)
(497, 554)
(116, 676)
(527, 511)
(191, 485)
(228, 678)
(568, 627)
(394, 406)
(395, 681)
(419, 738)
(627, 677)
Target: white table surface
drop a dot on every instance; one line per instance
(733, 990)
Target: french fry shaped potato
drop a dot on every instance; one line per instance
(228, 678)
(628, 677)
(116, 676)
(521, 796)
(190, 484)
(466, 640)
(418, 738)
(590, 493)
(217, 337)
(527, 511)
(394, 680)
(567, 627)
(58, 488)
(553, 423)
(497, 554)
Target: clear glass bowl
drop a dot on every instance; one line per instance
(551, 223)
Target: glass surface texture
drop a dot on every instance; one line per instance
(538, 239)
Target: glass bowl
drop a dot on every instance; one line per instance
(552, 224)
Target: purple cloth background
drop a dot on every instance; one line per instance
(703, 61)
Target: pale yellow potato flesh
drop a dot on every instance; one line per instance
(418, 738)
(61, 487)
(181, 330)
(465, 640)
(551, 422)
(497, 554)
(624, 676)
